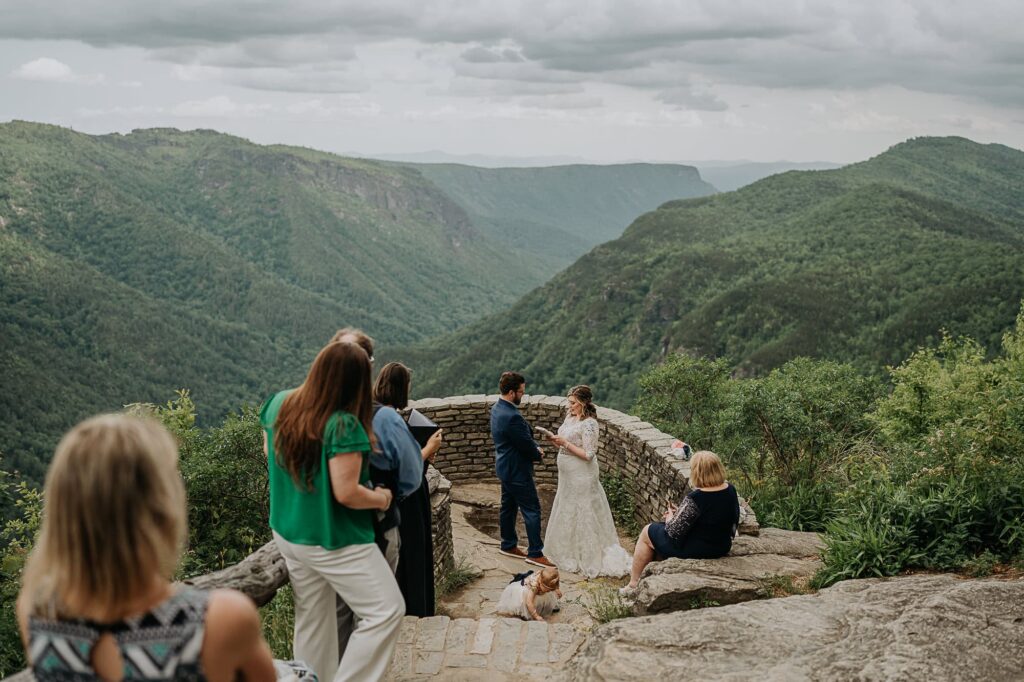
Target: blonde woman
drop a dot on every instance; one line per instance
(581, 536)
(97, 601)
(701, 527)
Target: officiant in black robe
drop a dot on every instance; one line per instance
(415, 573)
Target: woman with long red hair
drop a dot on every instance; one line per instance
(318, 442)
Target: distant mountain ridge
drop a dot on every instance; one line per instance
(132, 265)
(724, 175)
(727, 176)
(860, 264)
(556, 214)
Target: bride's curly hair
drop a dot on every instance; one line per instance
(583, 394)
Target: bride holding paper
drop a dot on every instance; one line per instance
(581, 535)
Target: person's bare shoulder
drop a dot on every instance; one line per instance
(232, 620)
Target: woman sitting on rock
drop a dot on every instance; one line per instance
(702, 527)
(97, 601)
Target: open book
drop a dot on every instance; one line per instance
(421, 427)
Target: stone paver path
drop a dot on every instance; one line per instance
(495, 649)
(470, 641)
(480, 599)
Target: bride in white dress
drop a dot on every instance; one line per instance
(581, 535)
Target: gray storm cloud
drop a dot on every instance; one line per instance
(971, 50)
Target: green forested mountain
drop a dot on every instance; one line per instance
(131, 265)
(860, 264)
(558, 213)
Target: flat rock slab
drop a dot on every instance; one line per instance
(679, 584)
(789, 543)
(926, 627)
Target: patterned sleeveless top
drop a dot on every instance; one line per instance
(161, 644)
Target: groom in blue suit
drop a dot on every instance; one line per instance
(516, 452)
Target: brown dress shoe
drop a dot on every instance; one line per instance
(541, 561)
(515, 553)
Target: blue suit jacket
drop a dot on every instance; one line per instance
(515, 449)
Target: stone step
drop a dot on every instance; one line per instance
(441, 647)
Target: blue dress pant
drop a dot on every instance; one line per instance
(521, 496)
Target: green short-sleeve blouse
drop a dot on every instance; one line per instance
(312, 516)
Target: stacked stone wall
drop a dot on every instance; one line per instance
(632, 449)
(441, 521)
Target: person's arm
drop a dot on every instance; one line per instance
(233, 644)
(401, 449)
(519, 434)
(686, 515)
(737, 515)
(429, 450)
(344, 469)
(531, 605)
(589, 432)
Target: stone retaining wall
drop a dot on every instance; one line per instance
(632, 449)
(441, 521)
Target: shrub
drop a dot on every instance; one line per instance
(605, 604)
(806, 416)
(225, 474)
(622, 503)
(784, 434)
(805, 506)
(684, 397)
(934, 508)
(981, 565)
(18, 536)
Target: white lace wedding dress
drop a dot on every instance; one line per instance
(581, 535)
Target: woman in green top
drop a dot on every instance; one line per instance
(318, 438)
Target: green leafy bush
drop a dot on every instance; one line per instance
(782, 436)
(929, 476)
(622, 503)
(17, 536)
(980, 566)
(225, 474)
(950, 492)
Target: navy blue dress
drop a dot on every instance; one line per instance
(702, 528)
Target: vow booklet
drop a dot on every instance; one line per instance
(421, 427)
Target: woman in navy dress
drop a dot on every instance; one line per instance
(701, 527)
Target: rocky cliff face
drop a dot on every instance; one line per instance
(925, 627)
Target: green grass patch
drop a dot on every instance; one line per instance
(460, 575)
(278, 617)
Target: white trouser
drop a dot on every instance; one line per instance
(346, 619)
(360, 576)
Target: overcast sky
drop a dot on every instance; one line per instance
(606, 81)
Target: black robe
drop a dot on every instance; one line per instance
(415, 573)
